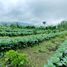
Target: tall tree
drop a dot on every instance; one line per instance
(44, 22)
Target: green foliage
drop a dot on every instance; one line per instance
(15, 59)
(30, 27)
(26, 41)
(34, 31)
(59, 59)
(17, 30)
(63, 25)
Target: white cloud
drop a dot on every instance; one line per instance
(33, 11)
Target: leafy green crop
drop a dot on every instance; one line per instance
(19, 42)
(59, 59)
(16, 31)
(20, 32)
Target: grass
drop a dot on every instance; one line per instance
(39, 54)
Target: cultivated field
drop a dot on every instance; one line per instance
(30, 46)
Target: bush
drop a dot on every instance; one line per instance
(15, 59)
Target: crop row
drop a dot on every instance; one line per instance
(25, 41)
(59, 59)
(9, 31)
(21, 32)
(15, 33)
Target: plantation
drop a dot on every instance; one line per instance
(23, 31)
(30, 46)
(22, 42)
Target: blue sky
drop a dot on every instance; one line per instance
(33, 11)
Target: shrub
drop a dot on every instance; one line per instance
(15, 59)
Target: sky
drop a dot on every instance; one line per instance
(33, 11)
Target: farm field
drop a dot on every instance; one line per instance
(33, 33)
(42, 52)
(39, 44)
